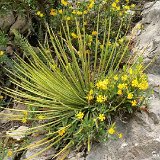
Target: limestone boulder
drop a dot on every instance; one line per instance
(148, 41)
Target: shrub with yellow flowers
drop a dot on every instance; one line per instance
(78, 82)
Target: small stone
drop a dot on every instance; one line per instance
(6, 20)
(17, 134)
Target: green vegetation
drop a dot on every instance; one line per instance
(81, 77)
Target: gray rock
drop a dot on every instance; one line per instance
(154, 82)
(141, 139)
(21, 24)
(6, 21)
(76, 156)
(148, 41)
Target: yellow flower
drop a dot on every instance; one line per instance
(94, 33)
(133, 5)
(101, 46)
(41, 15)
(127, 7)
(80, 115)
(101, 117)
(79, 13)
(41, 117)
(61, 132)
(53, 12)
(89, 97)
(124, 78)
(101, 99)
(91, 5)
(1, 53)
(74, 35)
(117, 1)
(64, 2)
(127, 1)
(74, 12)
(143, 85)
(122, 86)
(119, 92)
(24, 120)
(130, 96)
(114, 5)
(38, 13)
(134, 103)
(85, 12)
(9, 153)
(111, 130)
(120, 135)
(135, 83)
(115, 77)
(118, 8)
(60, 11)
(91, 91)
(68, 18)
(102, 84)
(25, 113)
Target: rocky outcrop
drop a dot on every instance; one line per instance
(148, 41)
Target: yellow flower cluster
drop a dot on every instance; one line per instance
(124, 78)
(54, 12)
(1, 53)
(61, 132)
(102, 84)
(90, 95)
(24, 119)
(115, 77)
(101, 99)
(116, 6)
(94, 33)
(134, 103)
(91, 4)
(74, 35)
(101, 117)
(80, 115)
(41, 117)
(122, 86)
(111, 130)
(143, 85)
(130, 96)
(40, 14)
(64, 2)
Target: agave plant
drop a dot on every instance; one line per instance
(76, 86)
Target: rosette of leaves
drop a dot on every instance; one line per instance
(72, 90)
